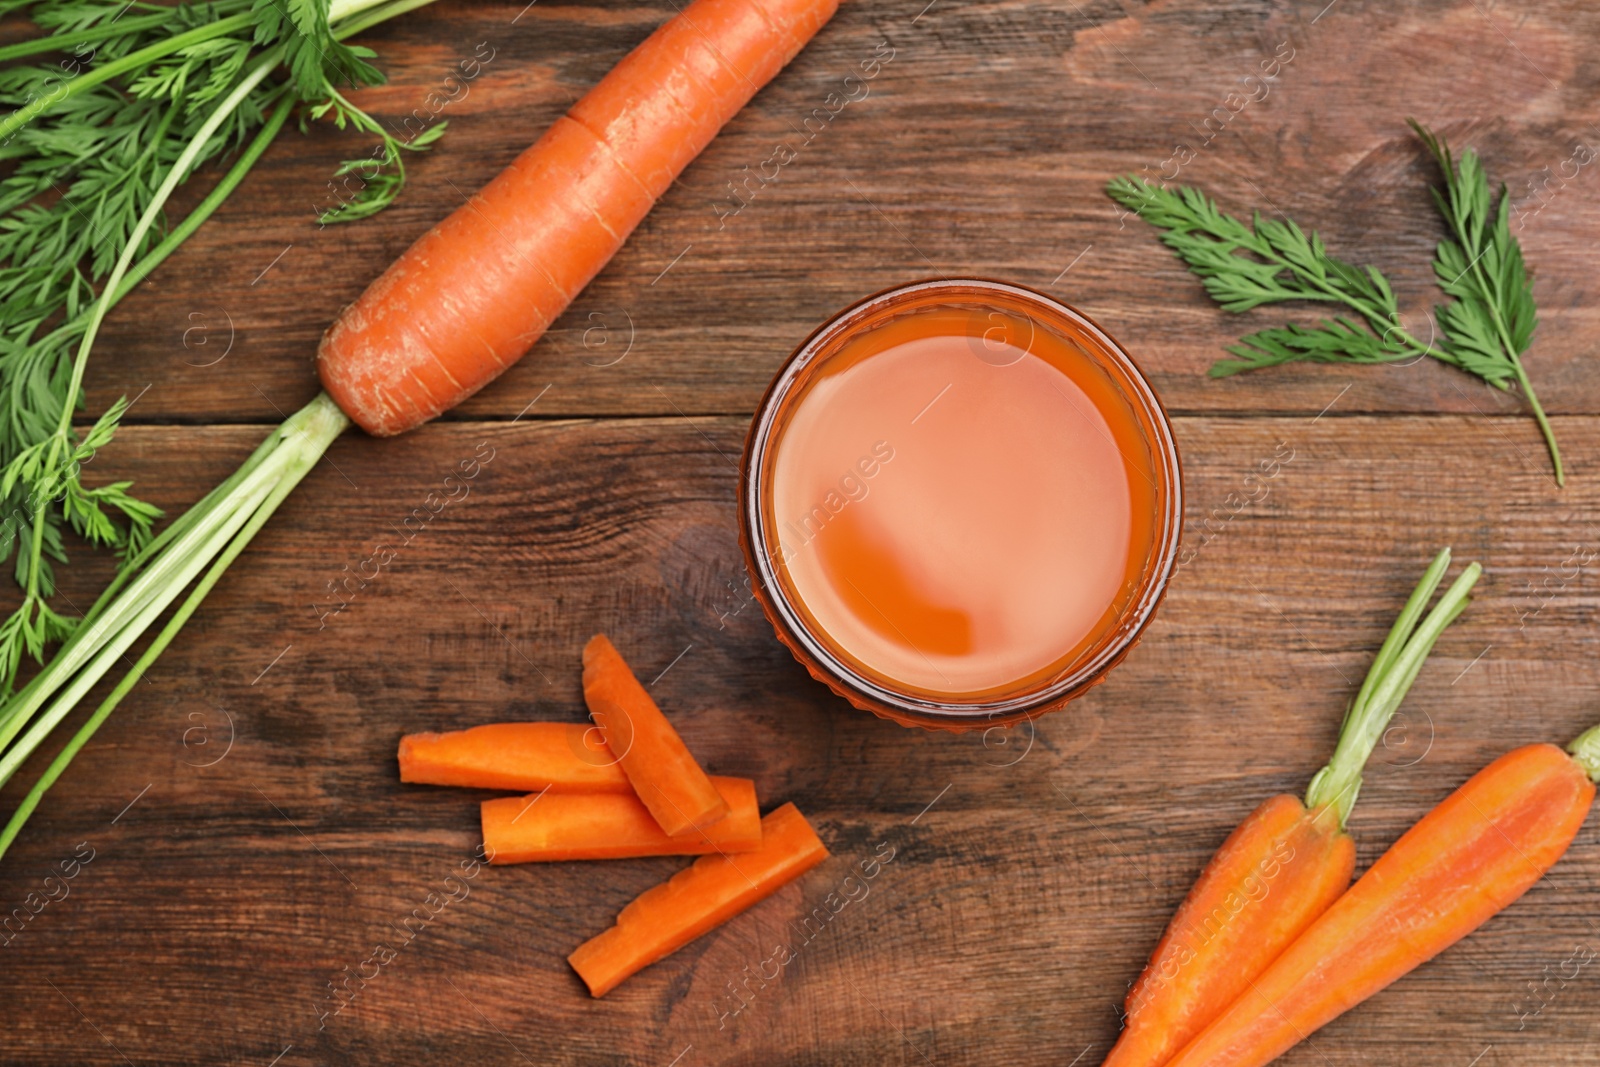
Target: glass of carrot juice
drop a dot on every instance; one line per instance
(960, 504)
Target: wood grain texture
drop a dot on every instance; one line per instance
(251, 839)
(982, 148)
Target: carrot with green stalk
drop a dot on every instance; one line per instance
(458, 307)
(1466, 860)
(1285, 864)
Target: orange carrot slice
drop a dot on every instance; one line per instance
(563, 757)
(678, 793)
(474, 293)
(607, 826)
(1468, 858)
(663, 919)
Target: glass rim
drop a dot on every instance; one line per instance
(910, 709)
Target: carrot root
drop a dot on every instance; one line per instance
(1280, 868)
(1286, 863)
(475, 292)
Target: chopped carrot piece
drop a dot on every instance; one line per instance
(702, 897)
(606, 826)
(669, 781)
(563, 757)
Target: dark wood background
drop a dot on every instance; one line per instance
(251, 839)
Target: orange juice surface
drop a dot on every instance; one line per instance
(962, 502)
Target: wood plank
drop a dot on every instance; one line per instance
(229, 885)
(981, 148)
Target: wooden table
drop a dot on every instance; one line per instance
(251, 842)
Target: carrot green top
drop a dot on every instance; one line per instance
(1586, 750)
(1392, 672)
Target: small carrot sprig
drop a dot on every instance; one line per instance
(1285, 864)
(1484, 331)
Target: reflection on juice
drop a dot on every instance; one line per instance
(961, 502)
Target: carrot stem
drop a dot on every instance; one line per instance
(258, 516)
(61, 42)
(120, 66)
(1399, 660)
(152, 212)
(1404, 624)
(214, 532)
(369, 16)
(1585, 748)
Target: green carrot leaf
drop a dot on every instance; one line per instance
(1491, 321)
(1338, 340)
(90, 131)
(1484, 329)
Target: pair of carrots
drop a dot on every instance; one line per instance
(1234, 987)
(1466, 860)
(626, 787)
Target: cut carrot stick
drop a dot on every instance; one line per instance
(715, 889)
(669, 781)
(607, 826)
(1284, 865)
(563, 757)
(476, 291)
(1474, 854)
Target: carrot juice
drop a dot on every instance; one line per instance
(961, 499)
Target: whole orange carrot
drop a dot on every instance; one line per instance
(669, 781)
(1468, 858)
(458, 307)
(1284, 865)
(475, 292)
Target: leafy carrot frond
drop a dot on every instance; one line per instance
(1280, 261)
(317, 59)
(1484, 330)
(1490, 324)
(93, 146)
(383, 174)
